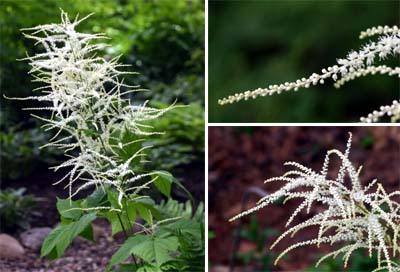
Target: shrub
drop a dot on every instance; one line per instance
(16, 208)
(185, 141)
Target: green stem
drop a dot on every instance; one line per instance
(127, 216)
(126, 236)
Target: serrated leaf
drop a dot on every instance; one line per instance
(50, 241)
(149, 204)
(62, 236)
(112, 197)
(144, 212)
(180, 185)
(64, 206)
(87, 233)
(115, 222)
(163, 182)
(130, 212)
(71, 231)
(125, 250)
(94, 199)
(184, 226)
(155, 251)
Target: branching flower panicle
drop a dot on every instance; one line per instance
(356, 217)
(86, 100)
(356, 64)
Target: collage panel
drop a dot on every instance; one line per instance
(303, 61)
(285, 198)
(199, 135)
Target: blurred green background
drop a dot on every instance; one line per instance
(162, 40)
(257, 43)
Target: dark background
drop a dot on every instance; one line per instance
(241, 157)
(257, 43)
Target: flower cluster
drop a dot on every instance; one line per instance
(356, 217)
(356, 64)
(392, 110)
(87, 107)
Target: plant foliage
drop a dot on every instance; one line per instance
(16, 208)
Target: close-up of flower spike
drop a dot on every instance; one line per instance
(356, 64)
(354, 213)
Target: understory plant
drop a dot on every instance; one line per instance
(252, 233)
(357, 64)
(104, 137)
(16, 209)
(350, 216)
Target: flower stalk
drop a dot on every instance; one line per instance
(356, 64)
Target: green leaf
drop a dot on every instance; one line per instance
(158, 250)
(184, 226)
(114, 221)
(148, 268)
(163, 182)
(130, 212)
(125, 250)
(151, 249)
(124, 137)
(112, 197)
(87, 233)
(64, 206)
(128, 268)
(62, 236)
(112, 217)
(211, 234)
(71, 231)
(144, 213)
(51, 240)
(95, 198)
(149, 204)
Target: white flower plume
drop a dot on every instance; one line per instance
(356, 64)
(355, 217)
(85, 97)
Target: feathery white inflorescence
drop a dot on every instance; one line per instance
(80, 104)
(356, 64)
(354, 216)
(392, 110)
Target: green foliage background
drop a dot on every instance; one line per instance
(257, 43)
(162, 40)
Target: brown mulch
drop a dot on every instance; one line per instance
(82, 255)
(242, 157)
